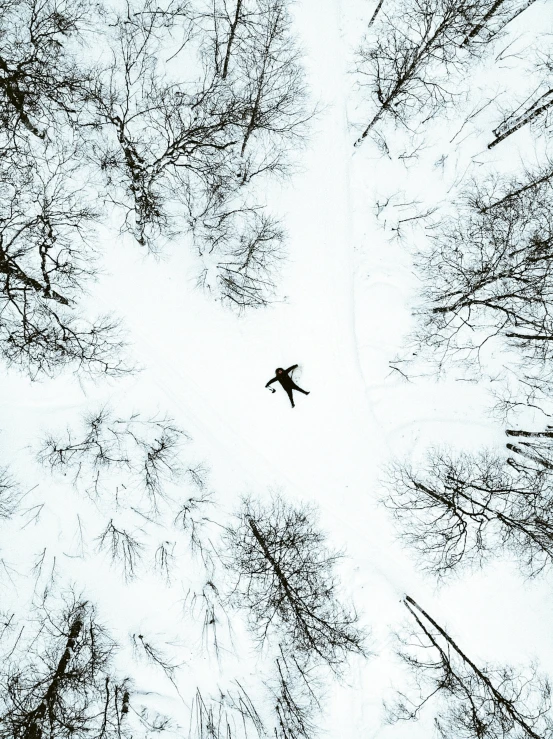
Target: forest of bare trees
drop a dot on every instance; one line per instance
(162, 118)
(95, 119)
(164, 125)
(483, 261)
(267, 565)
(179, 157)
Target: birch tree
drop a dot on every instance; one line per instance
(409, 64)
(472, 700)
(284, 576)
(459, 510)
(58, 680)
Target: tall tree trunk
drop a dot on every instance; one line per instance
(34, 729)
(528, 116)
(479, 26)
(233, 28)
(376, 12)
(505, 703)
(375, 120)
(518, 192)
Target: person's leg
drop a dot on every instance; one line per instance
(289, 391)
(305, 392)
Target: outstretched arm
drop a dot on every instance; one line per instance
(290, 368)
(271, 381)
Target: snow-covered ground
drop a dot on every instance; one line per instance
(349, 292)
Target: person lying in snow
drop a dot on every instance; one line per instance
(286, 381)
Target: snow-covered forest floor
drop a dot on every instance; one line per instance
(348, 291)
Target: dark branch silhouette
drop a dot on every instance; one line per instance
(42, 85)
(487, 278)
(135, 456)
(180, 154)
(408, 66)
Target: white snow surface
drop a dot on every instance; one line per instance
(349, 292)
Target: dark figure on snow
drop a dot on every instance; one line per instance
(282, 376)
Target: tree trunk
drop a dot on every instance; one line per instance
(520, 190)
(506, 704)
(530, 114)
(533, 434)
(476, 30)
(34, 730)
(10, 268)
(377, 10)
(17, 99)
(233, 28)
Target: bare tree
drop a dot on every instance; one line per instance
(486, 34)
(516, 121)
(191, 519)
(271, 81)
(124, 548)
(244, 274)
(284, 576)
(410, 64)
(232, 715)
(460, 510)
(144, 648)
(487, 278)
(154, 723)
(42, 85)
(46, 259)
(122, 455)
(164, 559)
(516, 187)
(475, 702)
(295, 699)
(186, 150)
(57, 681)
(542, 100)
(208, 607)
(9, 493)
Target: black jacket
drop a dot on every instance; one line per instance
(284, 378)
